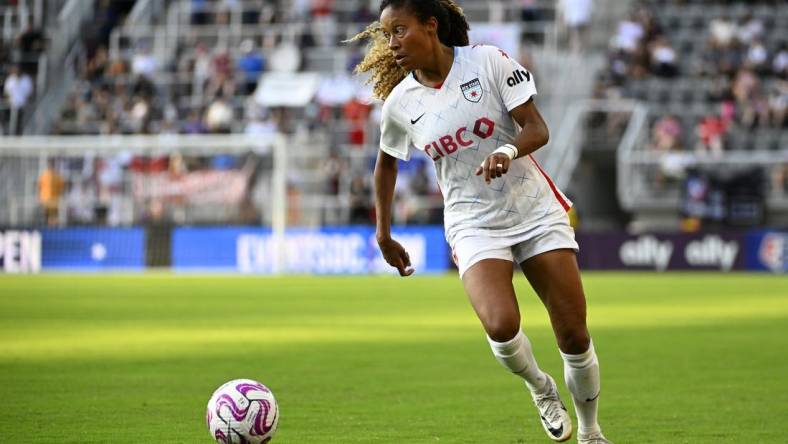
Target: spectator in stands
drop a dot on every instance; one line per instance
(360, 202)
(251, 65)
(117, 67)
(139, 115)
(221, 81)
(97, 66)
(756, 56)
(722, 32)
(640, 64)
(618, 64)
(663, 58)
(293, 203)
(264, 13)
(31, 40)
(355, 57)
(355, 113)
(144, 63)
(108, 14)
(324, 22)
(30, 43)
(530, 11)
(628, 36)
(80, 201)
(363, 14)
(721, 60)
(780, 62)
(651, 27)
(223, 9)
(200, 68)
(68, 116)
(750, 29)
(753, 108)
(727, 109)
(778, 103)
(219, 116)
(200, 12)
(194, 123)
(17, 89)
(576, 17)
(50, 189)
(711, 131)
(719, 89)
(779, 178)
(110, 184)
(260, 123)
(666, 134)
(334, 169)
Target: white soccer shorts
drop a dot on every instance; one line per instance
(555, 233)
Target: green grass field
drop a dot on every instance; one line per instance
(685, 358)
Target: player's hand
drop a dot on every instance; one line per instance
(396, 256)
(494, 166)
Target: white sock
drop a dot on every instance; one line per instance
(581, 373)
(516, 355)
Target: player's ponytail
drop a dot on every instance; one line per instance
(379, 60)
(458, 25)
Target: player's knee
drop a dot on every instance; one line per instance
(502, 328)
(574, 341)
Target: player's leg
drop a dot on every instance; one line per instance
(488, 284)
(490, 290)
(555, 277)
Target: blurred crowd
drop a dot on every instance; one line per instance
(714, 82)
(209, 88)
(744, 80)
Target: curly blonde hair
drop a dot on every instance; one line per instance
(379, 59)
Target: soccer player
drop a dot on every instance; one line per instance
(471, 110)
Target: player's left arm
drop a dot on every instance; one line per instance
(532, 136)
(516, 88)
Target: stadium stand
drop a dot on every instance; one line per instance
(191, 67)
(712, 75)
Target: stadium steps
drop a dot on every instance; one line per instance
(62, 33)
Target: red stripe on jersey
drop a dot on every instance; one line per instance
(438, 86)
(557, 194)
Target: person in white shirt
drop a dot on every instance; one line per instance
(17, 89)
(471, 110)
(576, 17)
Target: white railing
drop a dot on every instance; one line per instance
(637, 165)
(638, 192)
(562, 156)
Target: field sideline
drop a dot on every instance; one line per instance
(685, 358)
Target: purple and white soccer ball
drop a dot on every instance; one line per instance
(242, 411)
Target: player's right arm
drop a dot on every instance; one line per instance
(385, 180)
(394, 145)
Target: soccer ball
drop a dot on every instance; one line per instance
(242, 411)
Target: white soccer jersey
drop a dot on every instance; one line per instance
(458, 125)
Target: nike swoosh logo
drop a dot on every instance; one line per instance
(413, 122)
(554, 431)
(597, 396)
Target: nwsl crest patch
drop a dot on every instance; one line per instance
(472, 91)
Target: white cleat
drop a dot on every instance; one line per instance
(555, 418)
(592, 438)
